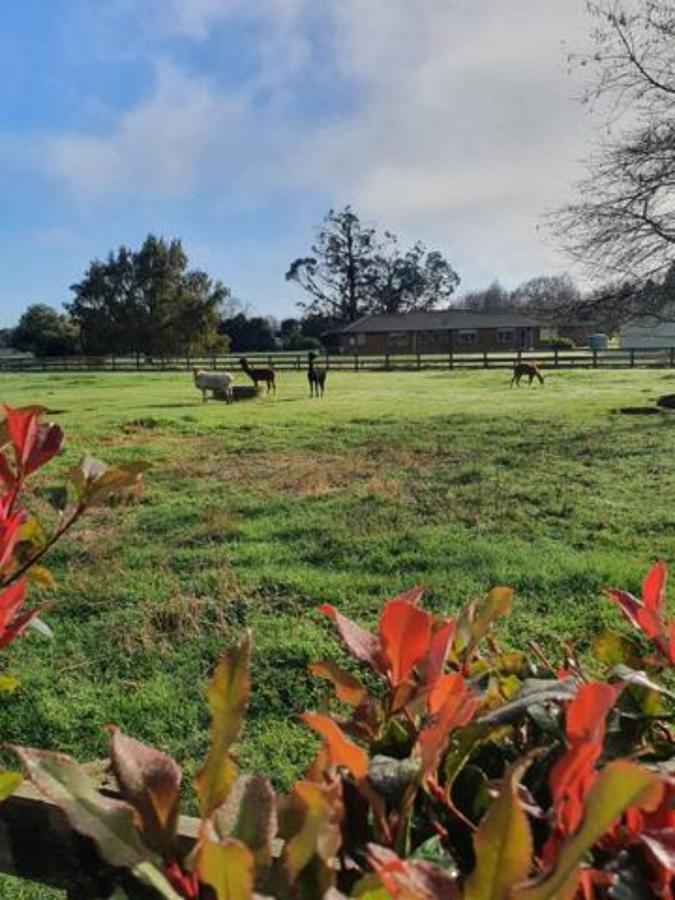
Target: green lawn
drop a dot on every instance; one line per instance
(256, 513)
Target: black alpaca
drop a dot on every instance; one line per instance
(316, 377)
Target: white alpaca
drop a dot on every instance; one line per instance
(217, 382)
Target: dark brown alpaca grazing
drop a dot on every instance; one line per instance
(256, 375)
(316, 377)
(529, 369)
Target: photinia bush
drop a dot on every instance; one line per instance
(26, 445)
(456, 769)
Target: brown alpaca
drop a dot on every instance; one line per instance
(529, 369)
(256, 375)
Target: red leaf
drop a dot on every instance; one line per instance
(585, 720)
(573, 774)
(412, 595)
(22, 428)
(47, 444)
(405, 633)
(645, 620)
(439, 648)
(361, 643)
(342, 751)
(451, 706)
(411, 879)
(11, 601)
(9, 534)
(654, 587)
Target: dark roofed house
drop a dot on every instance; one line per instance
(441, 331)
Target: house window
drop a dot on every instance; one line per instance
(428, 338)
(361, 339)
(398, 340)
(466, 337)
(506, 335)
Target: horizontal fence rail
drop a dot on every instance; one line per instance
(662, 358)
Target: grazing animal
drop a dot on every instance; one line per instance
(256, 375)
(217, 382)
(316, 377)
(529, 369)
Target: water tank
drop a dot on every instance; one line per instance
(598, 342)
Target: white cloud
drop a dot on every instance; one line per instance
(153, 149)
(460, 124)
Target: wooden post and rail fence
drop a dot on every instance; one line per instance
(629, 358)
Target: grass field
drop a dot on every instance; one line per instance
(254, 514)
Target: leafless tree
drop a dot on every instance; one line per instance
(623, 225)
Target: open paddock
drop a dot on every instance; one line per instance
(255, 513)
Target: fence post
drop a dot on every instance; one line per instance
(672, 357)
(356, 362)
(632, 358)
(327, 361)
(595, 358)
(485, 359)
(297, 362)
(520, 355)
(556, 362)
(419, 361)
(451, 362)
(386, 361)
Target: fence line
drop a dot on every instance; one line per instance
(662, 357)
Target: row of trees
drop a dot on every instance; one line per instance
(150, 301)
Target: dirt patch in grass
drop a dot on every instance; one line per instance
(176, 618)
(306, 473)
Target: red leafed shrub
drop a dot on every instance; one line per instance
(455, 770)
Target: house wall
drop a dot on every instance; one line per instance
(441, 342)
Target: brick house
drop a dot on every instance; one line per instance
(441, 331)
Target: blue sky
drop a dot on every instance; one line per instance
(235, 125)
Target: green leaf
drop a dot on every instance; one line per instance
(150, 875)
(227, 695)
(109, 823)
(150, 781)
(315, 811)
(8, 683)
(228, 869)
(477, 618)
(249, 815)
(532, 690)
(370, 888)
(94, 482)
(502, 844)
(9, 782)
(620, 786)
(613, 649)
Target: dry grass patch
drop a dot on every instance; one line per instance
(306, 473)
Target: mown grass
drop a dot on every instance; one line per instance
(254, 514)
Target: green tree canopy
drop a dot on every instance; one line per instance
(147, 301)
(248, 335)
(45, 332)
(353, 271)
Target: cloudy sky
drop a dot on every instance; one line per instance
(235, 124)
